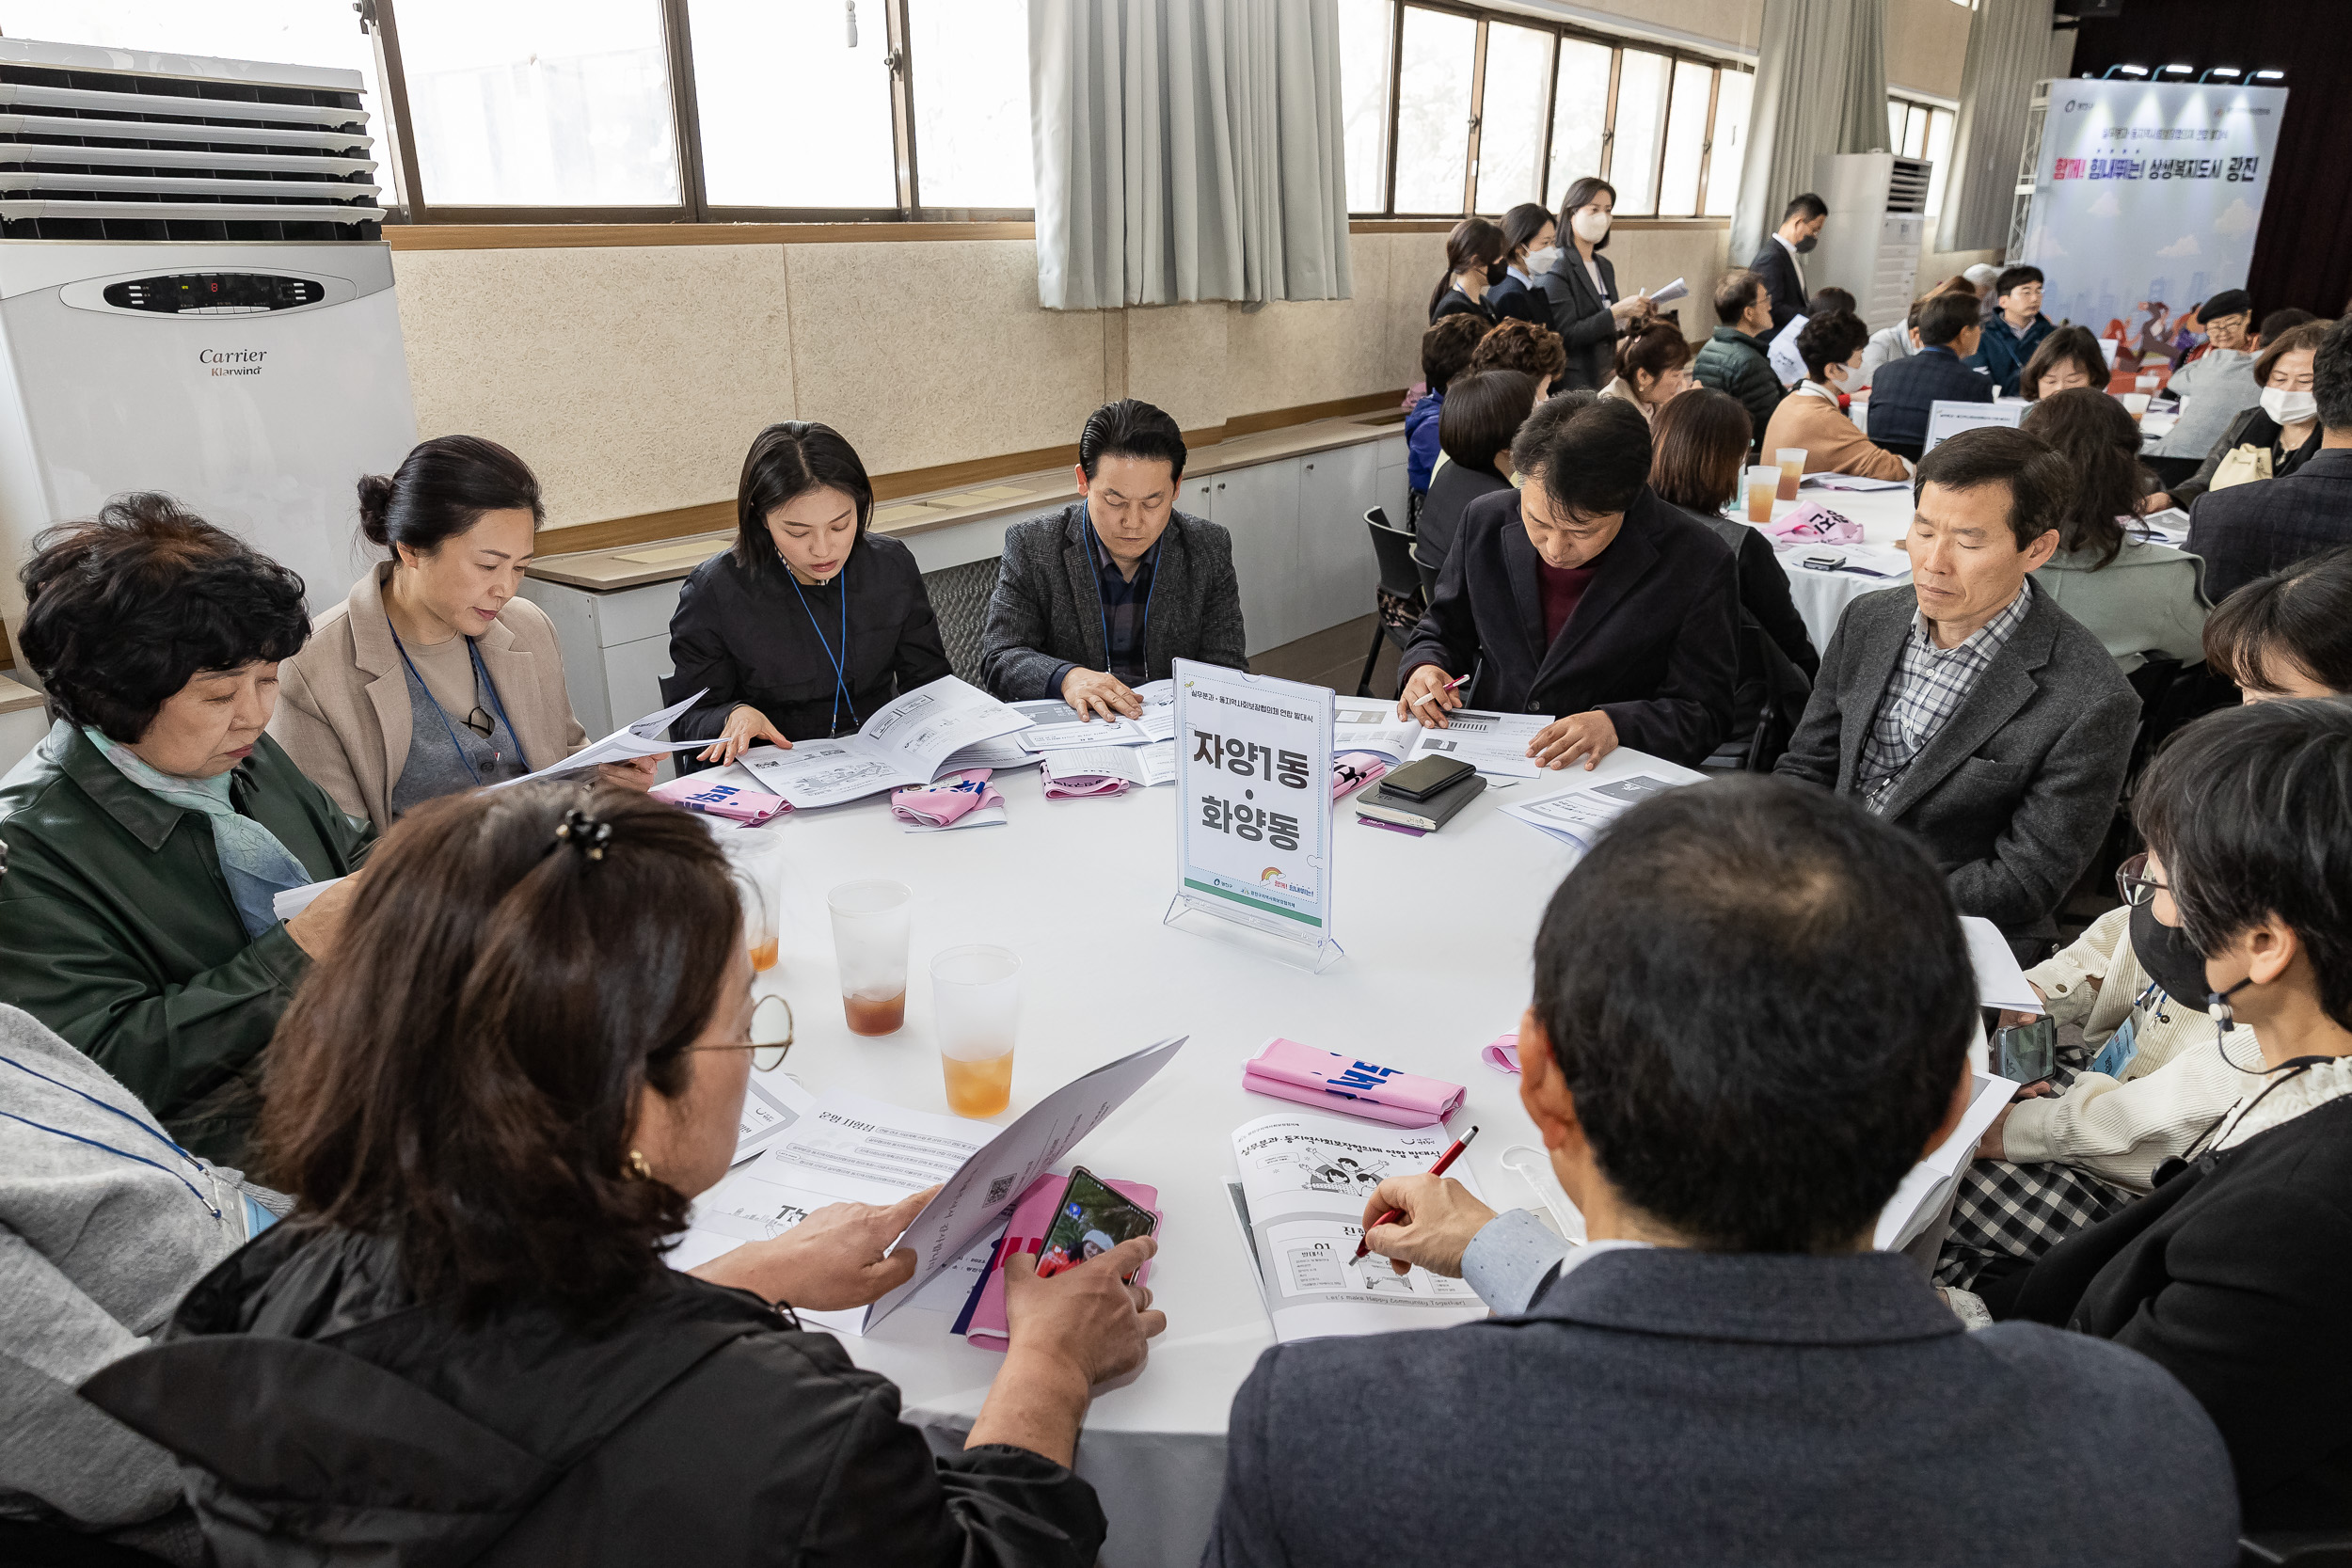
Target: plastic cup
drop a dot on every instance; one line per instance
(2134, 403)
(976, 998)
(1792, 461)
(2147, 381)
(757, 859)
(870, 922)
(1763, 487)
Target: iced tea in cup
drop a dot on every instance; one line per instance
(869, 942)
(757, 857)
(1792, 462)
(1763, 486)
(976, 997)
(2134, 403)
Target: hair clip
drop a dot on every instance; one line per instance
(584, 833)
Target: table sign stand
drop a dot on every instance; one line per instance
(1253, 823)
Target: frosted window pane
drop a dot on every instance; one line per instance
(1686, 138)
(1579, 113)
(1433, 111)
(1641, 120)
(791, 115)
(1895, 108)
(1511, 116)
(1940, 152)
(971, 103)
(1367, 31)
(1730, 150)
(540, 103)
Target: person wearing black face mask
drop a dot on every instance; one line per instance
(2145, 1081)
(1799, 230)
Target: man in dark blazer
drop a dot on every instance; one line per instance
(1752, 1015)
(1105, 595)
(1968, 707)
(1585, 597)
(2250, 530)
(1903, 388)
(1799, 230)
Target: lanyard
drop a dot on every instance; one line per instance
(840, 672)
(113, 1110)
(482, 671)
(1143, 633)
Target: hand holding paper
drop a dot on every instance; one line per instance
(628, 741)
(1672, 291)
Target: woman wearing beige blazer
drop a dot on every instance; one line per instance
(1832, 347)
(432, 676)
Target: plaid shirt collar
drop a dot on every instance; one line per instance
(1929, 687)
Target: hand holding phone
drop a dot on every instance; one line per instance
(1090, 1220)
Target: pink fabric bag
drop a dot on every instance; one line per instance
(1355, 769)
(731, 802)
(1328, 1081)
(1812, 524)
(946, 799)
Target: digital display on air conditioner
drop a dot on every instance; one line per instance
(214, 294)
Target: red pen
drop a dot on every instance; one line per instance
(1363, 1243)
(1433, 696)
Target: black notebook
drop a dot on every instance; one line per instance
(1429, 815)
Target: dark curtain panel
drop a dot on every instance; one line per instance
(2303, 251)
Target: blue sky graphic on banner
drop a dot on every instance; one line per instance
(2148, 192)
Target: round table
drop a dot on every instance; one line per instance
(1821, 597)
(1438, 933)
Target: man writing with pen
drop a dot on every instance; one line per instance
(1584, 596)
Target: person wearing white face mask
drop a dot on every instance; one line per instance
(2250, 529)
(1810, 417)
(1528, 253)
(1580, 287)
(2270, 440)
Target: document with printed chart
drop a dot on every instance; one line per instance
(1491, 742)
(903, 743)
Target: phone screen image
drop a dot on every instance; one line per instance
(1091, 1219)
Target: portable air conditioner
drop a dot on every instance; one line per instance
(1876, 231)
(195, 297)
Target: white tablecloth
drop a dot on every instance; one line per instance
(1821, 598)
(1437, 932)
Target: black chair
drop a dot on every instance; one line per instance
(1397, 602)
(2325, 1549)
(1767, 709)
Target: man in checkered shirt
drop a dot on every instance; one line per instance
(1969, 708)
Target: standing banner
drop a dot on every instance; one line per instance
(2147, 194)
(1253, 786)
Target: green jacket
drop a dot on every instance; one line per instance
(116, 929)
(1731, 361)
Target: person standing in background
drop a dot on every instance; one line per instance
(1778, 263)
(1473, 264)
(1582, 287)
(1529, 248)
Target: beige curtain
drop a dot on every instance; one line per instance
(1187, 149)
(1820, 87)
(2009, 51)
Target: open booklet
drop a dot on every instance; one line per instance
(1140, 766)
(1300, 1203)
(1576, 816)
(843, 1147)
(905, 742)
(625, 744)
(1056, 726)
(1366, 724)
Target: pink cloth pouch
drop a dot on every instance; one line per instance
(1811, 524)
(1354, 769)
(946, 799)
(1289, 1071)
(732, 801)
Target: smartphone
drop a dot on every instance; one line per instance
(2027, 1053)
(1823, 560)
(1091, 1219)
(1424, 777)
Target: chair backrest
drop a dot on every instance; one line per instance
(1393, 547)
(958, 596)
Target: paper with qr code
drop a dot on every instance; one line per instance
(852, 1149)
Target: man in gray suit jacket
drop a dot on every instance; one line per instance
(1753, 1011)
(1104, 596)
(1968, 707)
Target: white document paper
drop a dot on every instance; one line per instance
(1490, 742)
(2000, 982)
(1159, 709)
(1362, 724)
(1672, 291)
(1850, 481)
(1947, 418)
(1787, 363)
(772, 1102)
(1304, 1180)
(2167, 526)
(1141, 765)
(1001, 753)
(903, 743)
(1056, 726)
(292, 902)
(1577, 816)
(1920, 1197)
(985, 817)
(630, 741)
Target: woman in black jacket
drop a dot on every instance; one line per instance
(2234, 1273)
(810, 622)
(1474, 263)
(2283, 371)
(464, 1346)
(1582, 287)
(1527, 252)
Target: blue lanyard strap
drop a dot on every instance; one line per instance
(840, 672)
(482, 671)
(111, 1110)
(1103, 614)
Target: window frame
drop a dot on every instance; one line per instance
(1562, 32)
(413, 203)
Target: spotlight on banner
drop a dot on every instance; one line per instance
(2125, 70)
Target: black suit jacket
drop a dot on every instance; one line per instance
(1669, 1406)
(1903, 388)
(1653, 643)
(2234, 1277)
(1581, 318)
(1453, 302)
(1779, 271)
(2249, 530)
(1512, 300)
(2014, 794)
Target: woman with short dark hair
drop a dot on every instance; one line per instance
(147, 835)
(2068, 358)
(2288, 633)
(2137, 596)
(1814, 421)
(811, 621)
(494, 1109)
(1482, 414)
(1528, 249)
(2283, 441)
(433, 676)
(1700, 448)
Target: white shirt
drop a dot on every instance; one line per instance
(1514, 1257)
(1794, 260)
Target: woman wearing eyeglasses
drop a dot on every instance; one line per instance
(493, 1112)
(2234, 1273)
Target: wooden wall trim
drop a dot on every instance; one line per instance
(574, 236)
(711, 516)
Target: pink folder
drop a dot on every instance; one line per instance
(1289, 1071)
(1031, 1218)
